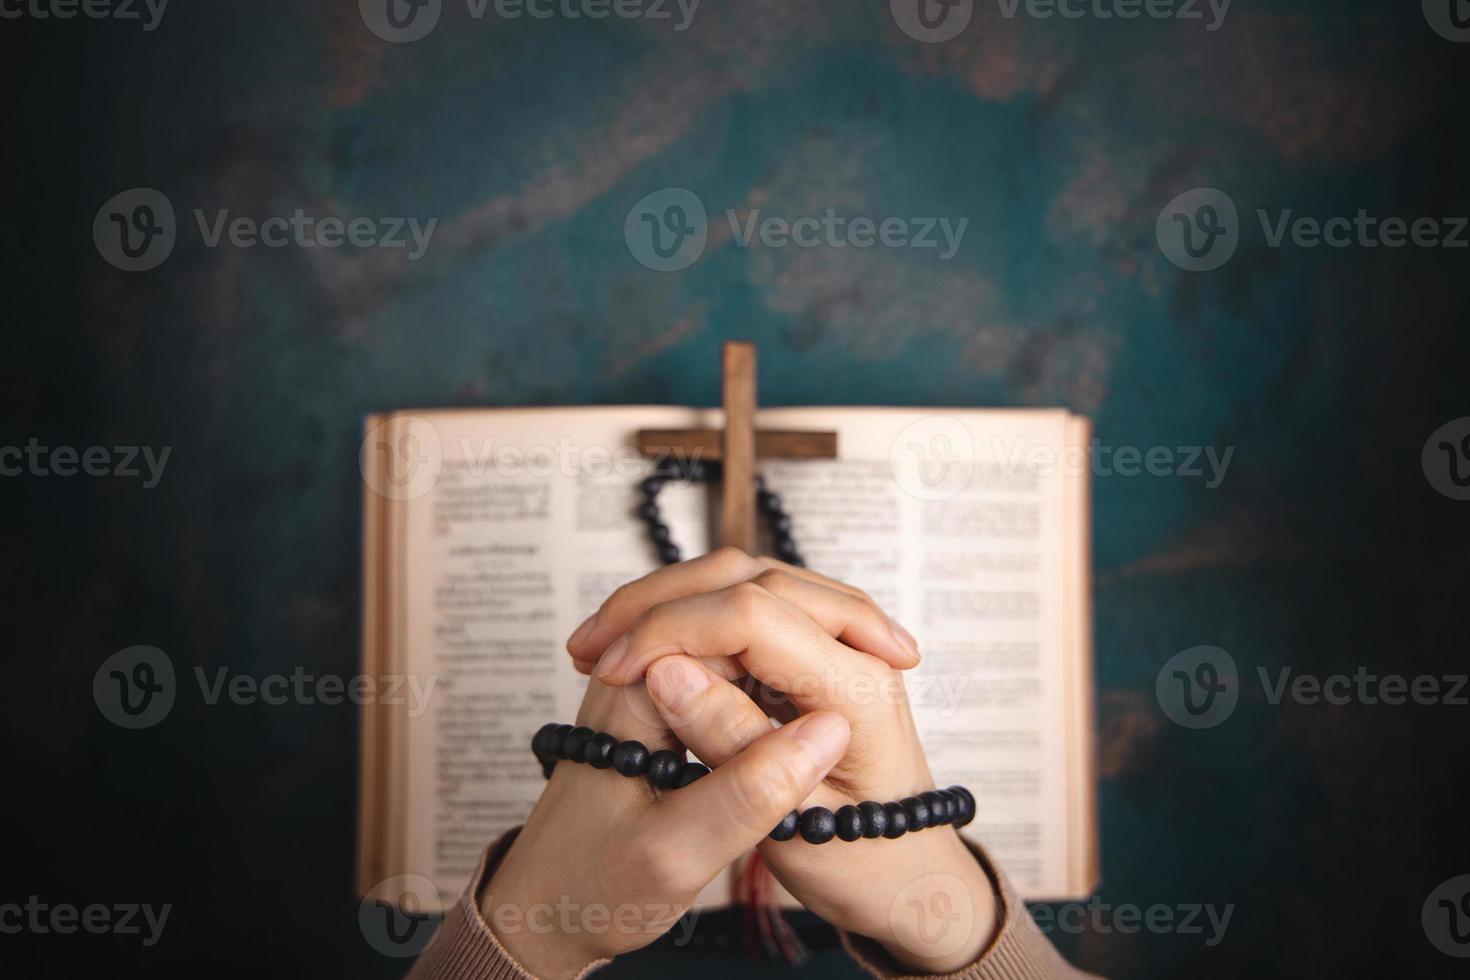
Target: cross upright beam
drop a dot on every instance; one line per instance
(738, 445)
(737, 503)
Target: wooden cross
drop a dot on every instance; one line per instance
(738, 446)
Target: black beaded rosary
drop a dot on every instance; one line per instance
(668, 770)
(697, 471)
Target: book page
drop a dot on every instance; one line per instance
(957, 526)
(939, 514)
(529, 525)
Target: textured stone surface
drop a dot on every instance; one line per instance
(529, 142)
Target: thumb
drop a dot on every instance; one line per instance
(718, 818)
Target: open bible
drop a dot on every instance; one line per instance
(489, 534)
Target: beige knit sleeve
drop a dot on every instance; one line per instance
(466, 949)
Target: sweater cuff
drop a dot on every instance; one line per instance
(1019, 951)
(465, 948)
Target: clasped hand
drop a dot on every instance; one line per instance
(675, 658)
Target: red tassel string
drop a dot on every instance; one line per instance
(764, 927)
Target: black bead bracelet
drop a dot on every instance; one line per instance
(871, 819)
(667, 769)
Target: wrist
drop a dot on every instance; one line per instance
(939, 910)
(528, 925)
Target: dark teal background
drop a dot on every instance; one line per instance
(1324, 549)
